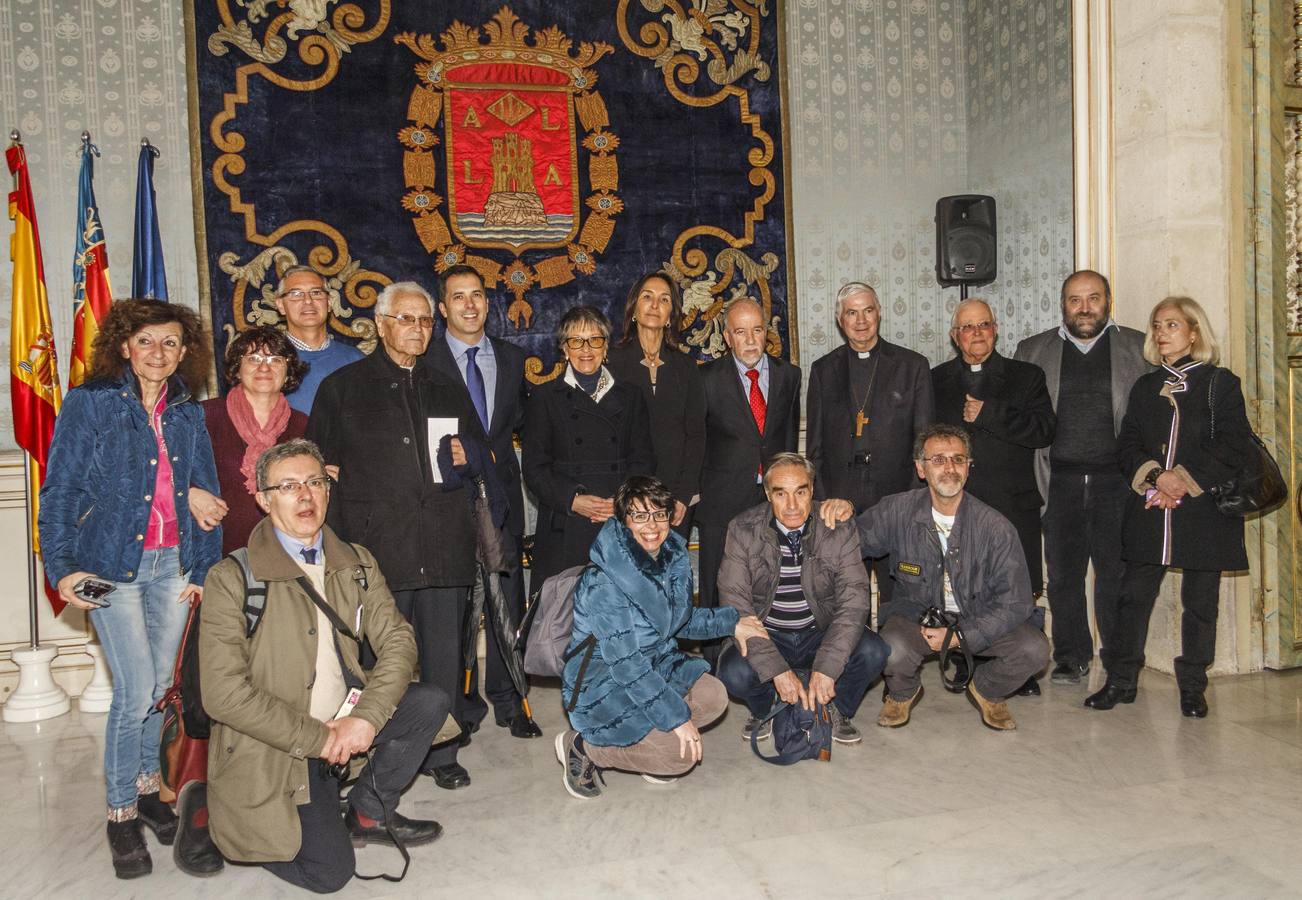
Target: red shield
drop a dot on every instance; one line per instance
(511, 156)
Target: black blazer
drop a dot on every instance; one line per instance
(1176, 433)
(901, 406)
(509, 396)
(734, 448)
(572, 446)
(1016, 420)
(677, 409)
(386, 499)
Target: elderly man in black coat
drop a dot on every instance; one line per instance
(370, 420)
(868, 399)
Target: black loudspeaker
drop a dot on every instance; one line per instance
(965, 240)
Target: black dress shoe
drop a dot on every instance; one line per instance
(1110, 696)
(1193, 704)
(449, 777)
(522, 727)
(412, 832)
(158, 817)
(1031, 688)
(194, 852)
(127, 845)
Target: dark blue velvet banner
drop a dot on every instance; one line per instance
(563, 149)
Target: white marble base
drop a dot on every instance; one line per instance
(97, 695)
(37, 697)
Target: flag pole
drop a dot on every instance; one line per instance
(38, 696)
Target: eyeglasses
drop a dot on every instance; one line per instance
(298, 294)
(973, 327)
(958, 460)
(641, 518)
(291, 488)
(596, 342)
(407, 319)
(257, 359)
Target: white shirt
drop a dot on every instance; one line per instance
(944, 525)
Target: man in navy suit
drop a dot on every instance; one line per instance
(752, 412)
(491, 371)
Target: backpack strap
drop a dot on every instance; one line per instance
(255, 593)
(587, 646)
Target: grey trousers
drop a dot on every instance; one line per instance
(658, 753)
(1010, 660)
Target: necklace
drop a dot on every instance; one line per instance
(860, 420)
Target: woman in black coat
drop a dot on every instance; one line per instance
(584, 434)
(1185, 430)
(650, 356)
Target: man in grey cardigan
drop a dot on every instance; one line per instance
(950, 551)
(1090, 363)
(806, 582)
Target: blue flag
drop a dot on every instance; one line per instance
(148, 274)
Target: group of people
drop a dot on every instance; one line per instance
(355, 488)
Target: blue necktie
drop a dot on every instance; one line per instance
(793, 541)
(309, 555)
(475, 384)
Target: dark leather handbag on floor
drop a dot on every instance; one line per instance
(1259, 485)
(798, 733)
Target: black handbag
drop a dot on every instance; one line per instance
(1258, 486)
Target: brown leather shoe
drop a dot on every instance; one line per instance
(895, 713)
(994, 713)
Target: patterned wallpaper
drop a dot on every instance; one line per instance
(115, 68)
(895, 103)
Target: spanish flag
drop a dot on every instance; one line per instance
(33, 364)
(92, 296)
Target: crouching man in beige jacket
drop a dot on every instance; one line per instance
(276, 697)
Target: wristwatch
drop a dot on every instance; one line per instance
(1152, 475)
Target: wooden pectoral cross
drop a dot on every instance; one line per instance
(860, 420)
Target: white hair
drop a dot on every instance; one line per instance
(850, 289)
(741, 301)
(384, 302)
(953, 321)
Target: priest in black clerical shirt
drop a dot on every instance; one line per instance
(868, 400)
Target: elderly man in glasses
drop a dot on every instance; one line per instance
(805, 581)
(1005, 408)
(304, 303)
(950, 552)
(380, 421)
(279, 691)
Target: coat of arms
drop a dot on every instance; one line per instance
(511, 109)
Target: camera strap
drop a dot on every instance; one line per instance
(955, 685)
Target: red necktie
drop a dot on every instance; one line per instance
(758, 408)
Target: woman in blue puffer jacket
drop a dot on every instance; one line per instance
(128, 445)
(642, 701)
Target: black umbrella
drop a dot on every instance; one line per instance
(488, 599)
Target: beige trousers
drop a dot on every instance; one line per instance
(658, 753)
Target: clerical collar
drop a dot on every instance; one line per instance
(863, 354)
(975, 367)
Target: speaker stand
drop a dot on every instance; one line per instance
(962, 292)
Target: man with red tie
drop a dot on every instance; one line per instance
(752, 411)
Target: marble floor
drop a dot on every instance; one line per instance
(1136, 802)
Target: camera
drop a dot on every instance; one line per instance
(935, 618)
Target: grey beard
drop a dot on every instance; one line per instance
(1074, 329)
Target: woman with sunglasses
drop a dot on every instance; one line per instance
(261, 368)
(584, 434)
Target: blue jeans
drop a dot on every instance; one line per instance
(140, 633)
(799, 648)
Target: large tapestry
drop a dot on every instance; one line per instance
(562, 149)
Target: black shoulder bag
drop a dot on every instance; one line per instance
(1258, 486)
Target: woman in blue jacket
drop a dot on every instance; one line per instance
(642, 701)
(128, 444)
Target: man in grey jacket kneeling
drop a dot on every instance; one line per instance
(806, 582)
(952, 552)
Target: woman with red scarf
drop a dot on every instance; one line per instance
(261, 367)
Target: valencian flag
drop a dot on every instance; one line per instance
(91, 297)
(148, 274)
(33, 364)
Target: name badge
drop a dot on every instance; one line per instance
(909, 568)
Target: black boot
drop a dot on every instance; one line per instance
(194, 852)
(1112, 694)
(1193, 704)
(127, 845)
(158, 817)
